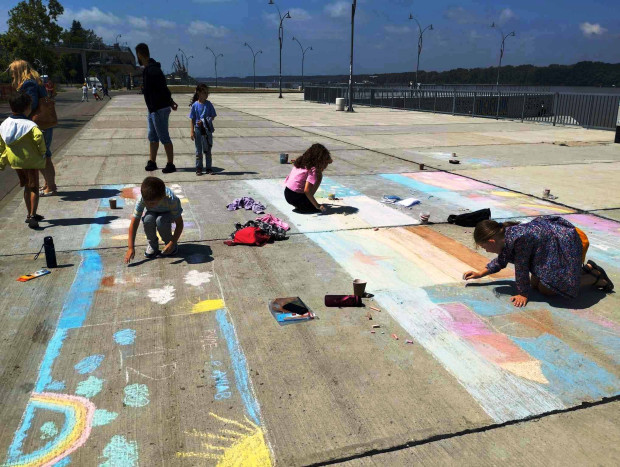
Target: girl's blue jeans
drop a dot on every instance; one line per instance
(202, 147)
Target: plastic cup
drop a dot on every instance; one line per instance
(359, 286)
(424, 216)
(112, 203)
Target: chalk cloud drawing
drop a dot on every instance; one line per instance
(103, 417)
(90, 387)
(55, 386)
(89, 364)
(236, 444)
(125, 336)
(136, 395)
(197, 278)
(118, 224)
(120, 452)
(48, 430)
(163, 295)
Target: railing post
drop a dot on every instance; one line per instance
(523, 109)
(392, 98)
(454, 102)
(556, 98)
(497, 111)
(589, 122)
(372, 96)
(435, 103)
(473, 109)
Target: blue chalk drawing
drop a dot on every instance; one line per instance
(48, 430)
(136, 395)
(55, 386)
(89, 364)
(89, 387)
(125, 336)
(120, 453)
(63, 462)
(74, 312)
(237, 358)
(103, 417)
(329, 185)
(572, 377)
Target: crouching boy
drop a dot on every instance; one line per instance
(162, 209)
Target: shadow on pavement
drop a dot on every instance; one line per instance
(193, 253)
(588, 297)
(91, 193)
(77, 221)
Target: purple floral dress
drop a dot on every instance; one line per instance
(549, 248)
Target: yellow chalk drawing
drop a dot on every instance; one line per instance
(208, 305)
(244, 445)
(506, 194)
(548, 207)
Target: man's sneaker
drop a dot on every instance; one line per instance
(150, 166)
(36, 217)
(198, 172)
(169, 168)
(151, 252)
(173, 252)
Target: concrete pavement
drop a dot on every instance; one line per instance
(177, 361)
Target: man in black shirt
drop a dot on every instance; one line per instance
(158, 102)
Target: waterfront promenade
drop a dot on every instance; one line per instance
(178, 361)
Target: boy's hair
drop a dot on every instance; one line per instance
(20, 102)
(487, 229)
(153, 189)
(202, 87)
(143, 50)
(316, 155)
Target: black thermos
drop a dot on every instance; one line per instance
(50, 252)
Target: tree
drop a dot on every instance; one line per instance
(77, 35)
(32, 30)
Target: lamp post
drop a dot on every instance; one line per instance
(303, 56)
(116, 39)
(281, 38)
(254, 60)
(215, 56)
(420, 43)
(501, 50)
(350, 106)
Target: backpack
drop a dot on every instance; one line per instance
(470, 219)
(249, 236)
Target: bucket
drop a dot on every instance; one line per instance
(283, 158)
(340, 103)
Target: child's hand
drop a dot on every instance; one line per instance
(174, 106)
(131, 253)
(472, 275)
(519, 300)
(191, 136)
(169, 248)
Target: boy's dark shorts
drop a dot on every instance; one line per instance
(28, 178)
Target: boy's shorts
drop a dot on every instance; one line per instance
(28, 178)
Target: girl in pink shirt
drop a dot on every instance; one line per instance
(305, 179)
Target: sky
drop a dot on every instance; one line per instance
(547, 31)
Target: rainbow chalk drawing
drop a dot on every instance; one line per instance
(78, 411)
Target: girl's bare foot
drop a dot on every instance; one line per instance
(599, 282)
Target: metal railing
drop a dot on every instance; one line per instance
(587, 110)
(94, 46)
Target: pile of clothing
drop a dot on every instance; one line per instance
(248, 204)
(258, 232)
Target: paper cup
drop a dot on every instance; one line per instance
(283, 158)
(112, 203)
(424, 216)
(359, 286)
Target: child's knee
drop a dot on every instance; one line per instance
(163, 221)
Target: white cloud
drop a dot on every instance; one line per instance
(397, 29)
(299, 14)
(136, 22)
(505, 15)
(338, 9)
(203, 28)
(164, 23)
(461, 15)
(92, 16)
(592, 29)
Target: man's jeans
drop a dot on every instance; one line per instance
(158, 126)
(158, 222)
(202, 146)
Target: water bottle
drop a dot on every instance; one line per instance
(50, 252)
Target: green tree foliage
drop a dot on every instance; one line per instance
(78, 36)
(32, 29)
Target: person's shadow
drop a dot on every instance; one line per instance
(190, 253)
(91, 193)
(331, 209)
(587, 298)
(76, 221)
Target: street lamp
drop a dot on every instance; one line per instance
(350, 106)
(420, 41)
(116, 39)
(501, 49)
(303, 56)
(281, 38)
(254, 60)
(215, 56)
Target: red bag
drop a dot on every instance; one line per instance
(249, 236)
